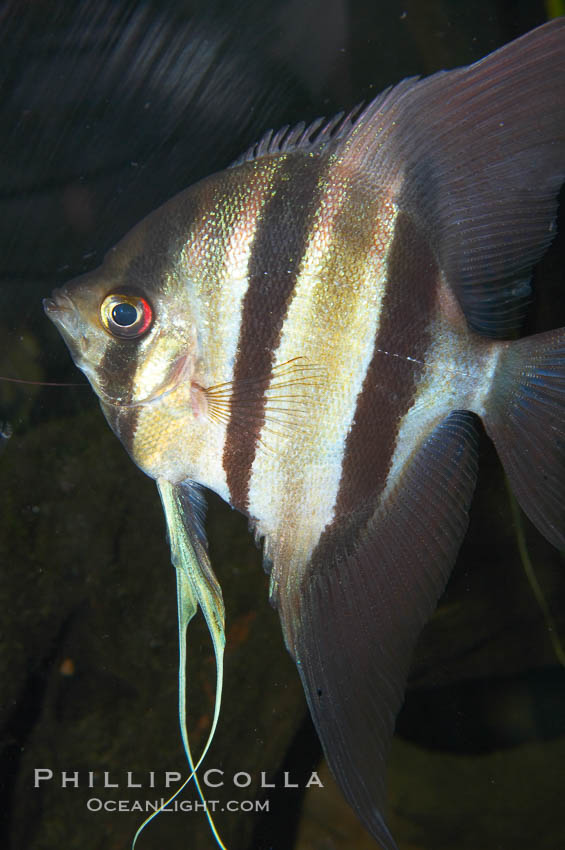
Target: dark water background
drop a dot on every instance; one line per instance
(106, 110)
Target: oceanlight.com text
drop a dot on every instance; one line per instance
(95, 804)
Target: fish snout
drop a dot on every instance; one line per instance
(59, 301)
(62, 312)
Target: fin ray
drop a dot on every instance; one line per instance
(307, 138)
(524, 416)
(477, 155)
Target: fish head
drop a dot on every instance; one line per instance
(127, 339)
(131, 327)
(151, 327)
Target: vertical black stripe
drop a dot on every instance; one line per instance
(278, 248)
(141, 262)
(390, 384)
(123, 421)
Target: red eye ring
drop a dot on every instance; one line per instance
(126, 316)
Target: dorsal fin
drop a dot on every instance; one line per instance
(477, 156)
(304, 137)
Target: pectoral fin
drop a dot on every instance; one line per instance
(353, 620)
(197, 586)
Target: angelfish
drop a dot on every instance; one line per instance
(313, 334)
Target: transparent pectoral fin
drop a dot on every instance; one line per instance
(196, 586)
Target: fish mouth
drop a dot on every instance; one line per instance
(65, 315)
(62, 312)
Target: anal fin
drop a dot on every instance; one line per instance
(353, 620)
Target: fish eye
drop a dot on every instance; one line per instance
(126, 316)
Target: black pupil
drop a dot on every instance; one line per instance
(124, 314)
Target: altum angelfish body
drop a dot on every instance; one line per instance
(312, 334)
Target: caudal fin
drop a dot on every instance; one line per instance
(525, 417)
